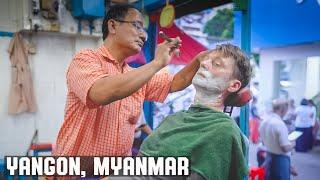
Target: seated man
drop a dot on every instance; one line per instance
(209, 137)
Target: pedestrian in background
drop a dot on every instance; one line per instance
(304, 123)
(274, 135)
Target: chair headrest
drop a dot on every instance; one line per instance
(239, 99)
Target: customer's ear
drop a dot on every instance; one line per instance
(234, 86)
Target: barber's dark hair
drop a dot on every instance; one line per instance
(118, 11)
(242, 67)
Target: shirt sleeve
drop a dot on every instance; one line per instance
(84, 70)
(157, 89)
(283, 135)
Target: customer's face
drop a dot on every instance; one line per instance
(218, 65)
(215, 73)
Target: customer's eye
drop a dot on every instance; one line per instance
(216, 63)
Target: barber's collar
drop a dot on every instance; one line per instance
(106, 53)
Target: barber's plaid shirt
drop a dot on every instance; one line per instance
(92, 130)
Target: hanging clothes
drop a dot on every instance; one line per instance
(21, 96)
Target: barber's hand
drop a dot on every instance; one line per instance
(293, 144)
(166, 50)
(202, 55)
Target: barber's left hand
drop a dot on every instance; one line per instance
(202, 55)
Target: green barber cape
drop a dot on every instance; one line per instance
(212, 140)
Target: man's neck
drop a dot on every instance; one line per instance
(115, 51)
(213, 102)
(278, 114)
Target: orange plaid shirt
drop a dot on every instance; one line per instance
(93, 130)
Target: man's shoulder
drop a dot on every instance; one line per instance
(176, 116)
(213, 117)
(281, 125)
(229, 130)
(84, 58)
(277, 121)
(86, 52)
(274, 123)
(223, 123)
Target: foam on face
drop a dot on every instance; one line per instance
(209, 88)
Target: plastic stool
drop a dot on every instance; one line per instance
(256, 172)
(38, 148)
(41, 147)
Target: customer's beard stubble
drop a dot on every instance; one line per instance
(209, 89)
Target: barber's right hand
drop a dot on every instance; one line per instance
(166, 50)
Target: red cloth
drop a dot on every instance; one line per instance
(256, 172)
(254, 130)
(189, 48)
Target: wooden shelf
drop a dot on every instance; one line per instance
(54, 33)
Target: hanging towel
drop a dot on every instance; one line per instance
(21, 96)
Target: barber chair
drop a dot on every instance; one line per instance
(238, 99)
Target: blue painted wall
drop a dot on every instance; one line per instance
(278, 23)
(6, 34)
(284, 22)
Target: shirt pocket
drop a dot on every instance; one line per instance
(133, 106)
